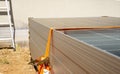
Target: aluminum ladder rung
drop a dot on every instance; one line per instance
(4, 39)
(3, 8)
(5, 25)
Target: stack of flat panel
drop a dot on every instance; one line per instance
(105, 39)
(74, 54)
(89, 22)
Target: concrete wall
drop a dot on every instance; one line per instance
(63, 8)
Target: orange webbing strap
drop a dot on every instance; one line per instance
(44, 60)
(48, 43)
(81, 28)
(40, 69)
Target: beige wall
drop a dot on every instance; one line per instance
(63, 8)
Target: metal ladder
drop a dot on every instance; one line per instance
(7, 28)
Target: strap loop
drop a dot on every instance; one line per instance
(43, 62)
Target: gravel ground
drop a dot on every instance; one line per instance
(15, 62)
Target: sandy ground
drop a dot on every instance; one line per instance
(15, 62)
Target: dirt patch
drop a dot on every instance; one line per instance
(15, 62)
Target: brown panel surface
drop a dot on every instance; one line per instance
(68, 55)
(90, 59)
(88, 22)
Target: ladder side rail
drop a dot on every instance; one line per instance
(10, 23)
(11, 12)
(12, 19)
